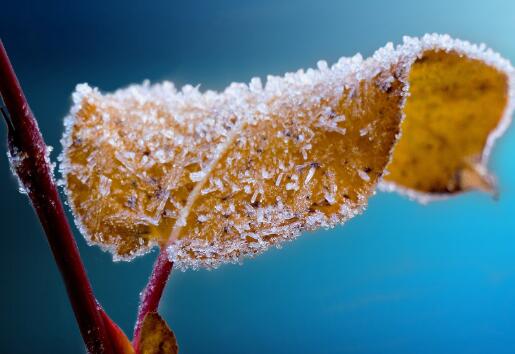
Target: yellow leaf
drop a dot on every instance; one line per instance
(217, 176)
(450, 120)
(156, 337)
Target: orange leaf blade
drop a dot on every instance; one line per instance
(156, 337)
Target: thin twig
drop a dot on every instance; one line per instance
(153, 292)
(29, 158)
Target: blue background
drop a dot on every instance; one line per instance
(402, 278)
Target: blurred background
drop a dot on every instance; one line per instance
(402, 278)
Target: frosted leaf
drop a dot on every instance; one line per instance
(217, 176)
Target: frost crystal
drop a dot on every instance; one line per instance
(15, 159)
(197, 176)
(363, 175)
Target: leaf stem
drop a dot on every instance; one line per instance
(151, 295)
(29, 159)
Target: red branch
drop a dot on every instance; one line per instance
(152, 293)
(30, 162)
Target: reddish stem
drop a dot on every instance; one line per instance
(152, 293)
(29, 155)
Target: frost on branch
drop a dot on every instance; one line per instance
(216, 176)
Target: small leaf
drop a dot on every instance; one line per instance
(156, 337)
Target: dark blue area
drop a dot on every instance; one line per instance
(402, 278)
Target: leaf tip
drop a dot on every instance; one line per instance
(477, 177)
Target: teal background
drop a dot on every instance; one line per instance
(402, 278)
